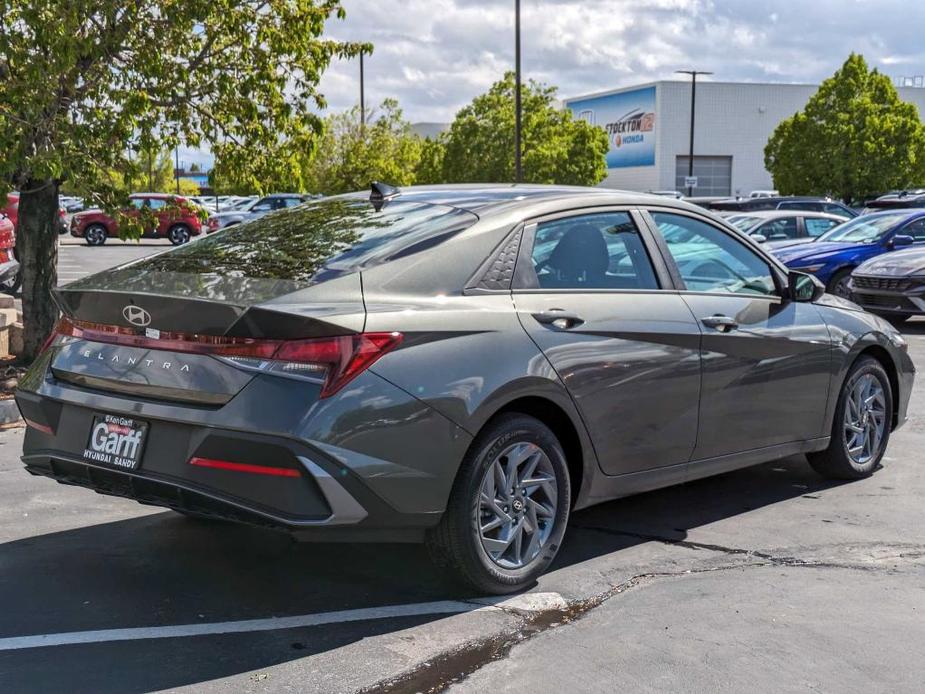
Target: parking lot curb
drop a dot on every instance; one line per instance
(9, 413)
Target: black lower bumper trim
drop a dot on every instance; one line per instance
(153, 493)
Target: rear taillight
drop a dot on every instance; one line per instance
(331, 361)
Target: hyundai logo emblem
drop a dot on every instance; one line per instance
(136, 315)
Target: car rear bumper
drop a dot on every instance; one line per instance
(357, 478)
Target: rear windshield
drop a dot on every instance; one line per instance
(317, 240)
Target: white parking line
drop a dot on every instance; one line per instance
(531, 602)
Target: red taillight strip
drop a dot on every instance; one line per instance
(171, 341)
(343, 356)
(44, 428)
(244, 467)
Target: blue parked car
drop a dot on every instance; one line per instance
(833, 256)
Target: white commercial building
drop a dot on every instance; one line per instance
(649, 130)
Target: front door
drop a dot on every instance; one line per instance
(766, 359)
(626, 350)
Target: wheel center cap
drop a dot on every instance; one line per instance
(518, 505)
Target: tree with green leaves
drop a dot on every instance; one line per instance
(84, 82)
(429, 168)
(352, 153)
(854, 139)
(557, 148)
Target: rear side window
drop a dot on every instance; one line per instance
(597, 251)
(316, 241)
(817, 226)
(779, 229)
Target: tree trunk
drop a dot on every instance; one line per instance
(37, 251)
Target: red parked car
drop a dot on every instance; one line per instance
(12, 212)
(10, 278)
(178, 220)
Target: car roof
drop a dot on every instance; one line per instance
(908, 212)
(162, 196)
(774, 214)
(487, 198)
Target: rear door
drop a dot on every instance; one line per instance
(766, 359)
(589, 291)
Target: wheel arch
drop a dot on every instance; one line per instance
(569, 430)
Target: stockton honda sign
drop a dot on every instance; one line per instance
(629, 120)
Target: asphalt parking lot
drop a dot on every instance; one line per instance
(76, 259)
(768, 579)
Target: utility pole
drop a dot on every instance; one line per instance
(518, 165)
(362, 97)
(176, 168)
(690, 157)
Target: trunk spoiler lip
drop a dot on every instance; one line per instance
(269, 319)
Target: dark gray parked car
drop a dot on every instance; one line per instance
(464, 365)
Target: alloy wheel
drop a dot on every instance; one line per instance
(95, 235)
(518, 500)
(865, 418)
(179, 235)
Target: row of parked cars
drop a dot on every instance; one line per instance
(176, 218)
(874, 257)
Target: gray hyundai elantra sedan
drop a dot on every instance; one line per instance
(461, 365)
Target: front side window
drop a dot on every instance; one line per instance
(596, 251)
(832, 208)
(711, 260)
(817, 226)
(264, 205)
(779, 229)
(916, 230)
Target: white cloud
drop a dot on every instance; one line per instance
(435, 55)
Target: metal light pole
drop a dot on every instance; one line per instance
(518, 165)
(690, 157)
(176, 168)
(362, 96)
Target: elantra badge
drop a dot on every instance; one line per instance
(136, 315)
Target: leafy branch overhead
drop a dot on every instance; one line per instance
(86, 85)
(145, 75)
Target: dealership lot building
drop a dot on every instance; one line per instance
(649, 130)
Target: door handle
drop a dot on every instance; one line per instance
(720, 322)
(558, 318)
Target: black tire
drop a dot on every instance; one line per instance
(13, 286)
(95, 235)
(835, 462)
(179, 234)
(456, 543)
(838, 284)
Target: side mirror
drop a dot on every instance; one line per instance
(805, 288)
(759, 238)
(901, 241)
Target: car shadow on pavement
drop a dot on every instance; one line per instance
(164, 569)
(667, 515)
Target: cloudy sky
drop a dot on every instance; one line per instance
(435, 55)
